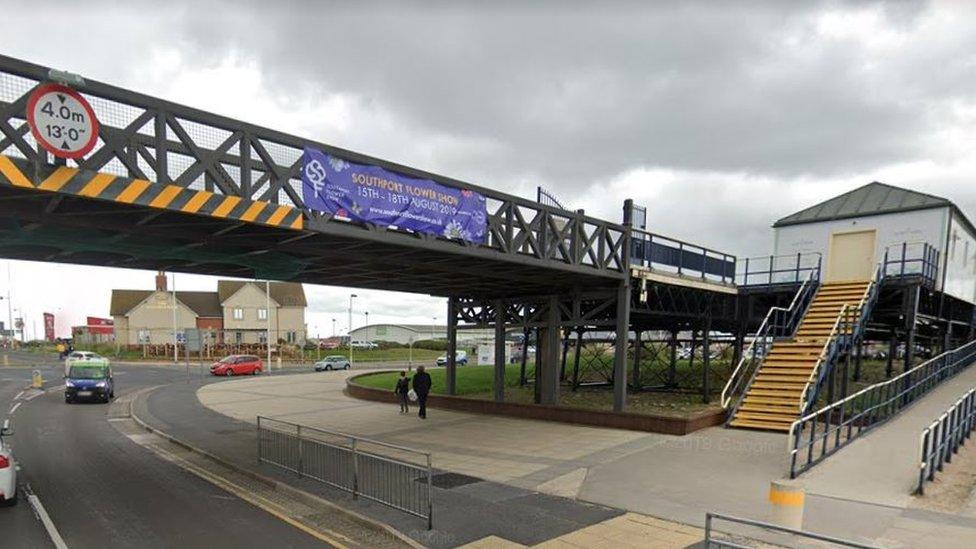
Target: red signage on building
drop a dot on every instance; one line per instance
(49, 326)
(100, 325)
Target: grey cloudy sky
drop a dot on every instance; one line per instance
(720, 117)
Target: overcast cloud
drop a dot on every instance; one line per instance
(720, 117)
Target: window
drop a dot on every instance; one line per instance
(262, 314)
(238, 337)
(291, 337)
(262, 337)
(238, 313)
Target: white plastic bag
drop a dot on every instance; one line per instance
(412, 395)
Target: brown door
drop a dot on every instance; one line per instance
(851, 256)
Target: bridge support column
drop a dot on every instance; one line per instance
(550, 354)
(706, 358)
(576, 357)
(892, 350)
(525, 356)
(500, 351)
(620, 349)
(451, 373)
(638, 345)
(673, 366)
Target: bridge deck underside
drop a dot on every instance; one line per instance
(67, 228)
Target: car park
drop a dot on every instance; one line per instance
(237, 365)
(334, 362)
(8, 469)
(89, 381)
(460, 358)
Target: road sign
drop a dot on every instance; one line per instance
(194, 341)
(62, 121)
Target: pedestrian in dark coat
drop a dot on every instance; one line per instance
(421, 386)
(402, 390)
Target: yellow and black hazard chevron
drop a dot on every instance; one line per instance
(127, 190)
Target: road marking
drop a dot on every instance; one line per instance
(14, 409)
(52, 530)
(20, 394)
(254, 499)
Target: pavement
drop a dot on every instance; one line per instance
(669, 477)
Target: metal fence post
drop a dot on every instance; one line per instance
(355, 471)
(259, 439)
(430, 495)
(298, 434)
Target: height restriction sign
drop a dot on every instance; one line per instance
(62, 121)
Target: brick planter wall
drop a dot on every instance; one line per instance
(597, 418)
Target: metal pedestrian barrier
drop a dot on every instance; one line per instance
(940, 440)
(816, 436)
(739, 543)
(388, 474)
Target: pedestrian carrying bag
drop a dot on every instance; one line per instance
(412, 395)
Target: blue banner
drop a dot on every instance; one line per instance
(370, 194)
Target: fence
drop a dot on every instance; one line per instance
(777, 269)
(678, 257)
(907, 259)
(711, 541)
(944, 436)
(818, 435)
(391, 475)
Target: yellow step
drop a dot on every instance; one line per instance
(768, 417)
(748, 424)
(777, 409)
(770, 400)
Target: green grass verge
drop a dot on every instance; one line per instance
(471, 380)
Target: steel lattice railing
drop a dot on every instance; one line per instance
(940, 440)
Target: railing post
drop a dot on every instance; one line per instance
(430, 495)
(355, 470)
(298, 435)
(770, 270)
(904, 250)
(259, 439)
(797, 278)
(681, 255)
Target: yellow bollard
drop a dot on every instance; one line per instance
(787, 504)
(37, 381)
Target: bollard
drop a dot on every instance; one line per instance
(786, 500)
(37, 382)
(279, 362)
(6, 360)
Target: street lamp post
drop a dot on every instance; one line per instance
(366, 314)
(351, 296)
(333, 328)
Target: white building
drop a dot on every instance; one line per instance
(854, 231)
(405, 333)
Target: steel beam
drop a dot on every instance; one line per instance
(550, 355)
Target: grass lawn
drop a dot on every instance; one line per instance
(476, 382)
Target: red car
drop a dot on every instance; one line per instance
(237, 365)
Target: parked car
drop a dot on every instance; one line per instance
(89, 380)
(334, 362)
(364, 345)
(460, 358)
(237, 365)
(8, 468)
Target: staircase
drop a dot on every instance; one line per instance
(773, 399)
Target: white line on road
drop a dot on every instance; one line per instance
(20, 394)
(14, 408)
(52, 530)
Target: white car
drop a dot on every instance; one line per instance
(8, 469)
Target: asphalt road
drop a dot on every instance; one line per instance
(102, 490)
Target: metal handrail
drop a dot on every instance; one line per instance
(832, 342)
(796, 268)
(765, 326)
(647, 238)
(710, 516)
(306, 428)
(942, 438)
(884, 400)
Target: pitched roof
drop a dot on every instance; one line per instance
(286, 294)
(204, 304)
(871, 199)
